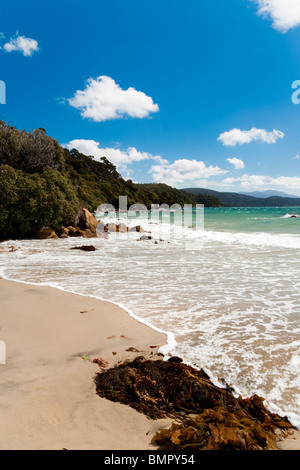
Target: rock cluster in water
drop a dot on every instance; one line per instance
(87, 226)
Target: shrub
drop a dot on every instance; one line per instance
(29, 202)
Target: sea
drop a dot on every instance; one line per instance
(226, 291)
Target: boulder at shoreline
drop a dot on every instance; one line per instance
(86, 221)
(46, 234)
(87, 226)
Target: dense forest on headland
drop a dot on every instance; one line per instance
(43, 184)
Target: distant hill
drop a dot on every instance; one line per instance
(159, 193)
(242, 200)
(270, 193)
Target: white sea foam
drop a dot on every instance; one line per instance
(289, 216)
(228, 302)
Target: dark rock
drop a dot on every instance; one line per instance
(86, 221)
(122, 228)
(46, 234)
(84, 248)
(75, 231)
(138, 229)
(62, 232)
(7, 249)
(145, 237)
(110, 227)
(89, 234)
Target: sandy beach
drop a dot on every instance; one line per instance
(48, 398)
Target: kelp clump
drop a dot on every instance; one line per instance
(207, 417)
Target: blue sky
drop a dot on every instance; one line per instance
(187, 93)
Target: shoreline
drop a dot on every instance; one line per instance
(48, 398)
(164, 348)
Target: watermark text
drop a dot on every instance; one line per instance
(296, 94)
(2, 92)
(167, 222)
(2, 353)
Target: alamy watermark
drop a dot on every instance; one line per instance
(2, 92)
(2, 353)
(164, 222)
(296, 94)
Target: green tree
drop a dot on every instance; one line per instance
(29, 202)
(29, 151)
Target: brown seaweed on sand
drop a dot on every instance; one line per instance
(206, 417)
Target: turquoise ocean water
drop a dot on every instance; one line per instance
(254, 219)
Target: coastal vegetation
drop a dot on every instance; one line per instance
(43, 184)
(32, 201)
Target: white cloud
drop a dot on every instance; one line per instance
(160, 160)
(237, 163)
(266, 182)
(184, 172)
(102, 99)
(288, 182)
(120, 158)
(247, 181)
(297, 157)
(285, 14)
(179, 173)
(22, 44)
(238, 137)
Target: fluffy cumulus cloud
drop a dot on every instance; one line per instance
(285, 14)
(236, 163)
(179, 174)
(119, 157)
(184, 172)
(238, 137)
(26, 46)
(264, 182)
(103, 99)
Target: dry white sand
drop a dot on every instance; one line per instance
(47, 393)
